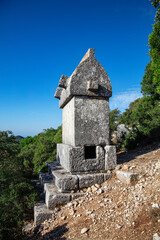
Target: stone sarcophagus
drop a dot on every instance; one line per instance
(84, 99)
(85, 152)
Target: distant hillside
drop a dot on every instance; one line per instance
(19, 138)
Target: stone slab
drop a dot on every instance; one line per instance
(45, 178)
(54, 197)
(77, 195)
(63, 155)
(88, 180)
(110, 157)
(73, 159)
(91, 121)
(126, 177)
(107, 176)
(41, 213)
(65, 181)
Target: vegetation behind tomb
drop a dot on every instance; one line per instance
(20, 162)
(17, 191)
(143, 115)
(35, 151)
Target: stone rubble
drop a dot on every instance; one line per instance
(113, 210)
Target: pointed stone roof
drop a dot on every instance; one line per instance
(89, 79)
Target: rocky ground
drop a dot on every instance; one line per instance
(113, 210)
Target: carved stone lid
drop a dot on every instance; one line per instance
(89, 79)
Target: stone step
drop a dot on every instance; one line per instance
(67, 182)
(46, 178)
(41, 213)
(54, 198)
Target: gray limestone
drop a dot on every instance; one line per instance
(73, 159)
(63, 82)
(54, 197)
(85, 118)
(85, 151)
(89, 70)
(45, 178)
(41, 213)
(107, 176)
(58, 93)
(110, 157)
(122, 130)
(88, 180)
(76, 195)
(156, 236)
(65, 182)
(126, 177)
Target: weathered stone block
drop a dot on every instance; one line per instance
(76, 195)
(110, 157)
(73, 159)
(54, 197)
(126, 177)
(45, 178)
(63, 155)
(107, 176)
(88, 180)
(65, 181)
(41, 213)
(77, 83)
(58, 93)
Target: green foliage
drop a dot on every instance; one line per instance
(127, 118)
(114, 115)
(154, 44)
(39, 149)
(148, 88)
(143, 116)
(18, 194)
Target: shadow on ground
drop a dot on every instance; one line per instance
(132, 154)
(56, 234)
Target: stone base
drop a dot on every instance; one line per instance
(54, 197)
(41, 213)
(74, 159)
(67, 182)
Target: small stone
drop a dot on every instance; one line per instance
(71, 212)
(70, 204)
(119, 226)
(94, 189)
(124, 167)
(156, 236)
(84, 230)
(89, 190)
(99, 191)
(75, 204)
(132, 167)
(126, 177)
(155, 205)
(97, 185)
(118, 167)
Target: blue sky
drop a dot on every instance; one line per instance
(42, 39)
